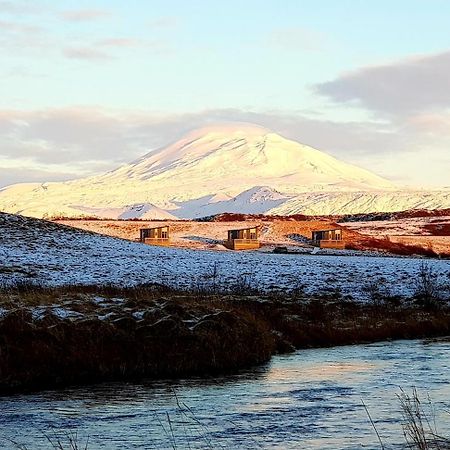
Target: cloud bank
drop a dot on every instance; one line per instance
(84, 141)
(403, 88)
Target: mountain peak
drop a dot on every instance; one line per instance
(228, 130)
(236, 157)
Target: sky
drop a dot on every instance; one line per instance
(86, 86)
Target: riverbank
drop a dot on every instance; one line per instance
(308, 399)
(54, 337)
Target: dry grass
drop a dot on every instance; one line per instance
(57, 441)
(396, 248)
(173, 335)
(419, 425)
(419, 428)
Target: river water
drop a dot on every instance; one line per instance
(311, 399)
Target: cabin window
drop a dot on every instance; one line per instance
(164, 235)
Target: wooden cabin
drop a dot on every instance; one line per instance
(328, 238)
(155, 235)
(242, 239)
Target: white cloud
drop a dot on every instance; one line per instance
(119, 42)
(85, 15)
(86, 53)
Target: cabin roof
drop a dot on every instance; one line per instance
(246, 228)
(328, 229)
(156, 228)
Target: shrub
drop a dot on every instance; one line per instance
(376, 291)
(396, 248)
(428, 290)
(418, 430)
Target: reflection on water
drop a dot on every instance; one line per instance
(322, 370)
(310, 399)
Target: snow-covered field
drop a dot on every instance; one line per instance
(45, 252)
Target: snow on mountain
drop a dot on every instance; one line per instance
(353, 202)
(256, 200)
(234, 159)
(145, 211)
(231, 168)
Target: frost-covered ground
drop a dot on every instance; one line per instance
(45, 252)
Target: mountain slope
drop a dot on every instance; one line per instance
(239, 158)
(237, 168)
(353, 202)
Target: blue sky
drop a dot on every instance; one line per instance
(88, 85)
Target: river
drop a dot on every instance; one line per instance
(311, 399)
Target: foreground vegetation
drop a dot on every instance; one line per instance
(386, 245)
(53, 337)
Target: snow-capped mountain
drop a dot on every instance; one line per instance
(233, 168)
